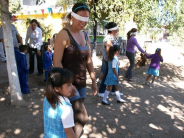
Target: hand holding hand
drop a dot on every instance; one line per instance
(74, 92)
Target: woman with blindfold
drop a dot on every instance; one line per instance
(72, 52)
(130, 52)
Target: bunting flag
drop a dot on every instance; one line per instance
(49, 9)
(64, 7)
(42, 12)
(36, 13)
(22, 15)
(14, 18)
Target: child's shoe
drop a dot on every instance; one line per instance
(121, 101)
(146, 83)
(152, 84)
(105, 103)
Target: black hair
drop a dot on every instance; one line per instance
(133, 30)
(110, 25)
(22, 48)
(54, 36)
(80, 7)
(46, 46)
(48, 40)
(35, 21)
(112, 51)
(56, 78)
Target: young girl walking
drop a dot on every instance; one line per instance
(154, 66)
(112, 76)
(57, 109)
(47, 60)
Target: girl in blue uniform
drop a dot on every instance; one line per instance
(112, 76)
(47, 60)
(57, 109)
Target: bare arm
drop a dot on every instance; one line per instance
(61, 42)
(19, 38)
(116, 74)
(90, 69)
(70, 133)
(114, 71)
(108, 45)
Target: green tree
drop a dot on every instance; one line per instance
(142, 12)
(14, 6)
(177, 26)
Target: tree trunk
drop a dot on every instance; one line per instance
(15, 91)
(94, 39)
(94, 29)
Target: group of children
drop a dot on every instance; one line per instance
(58, 88)
(23, 71)
(112, 77)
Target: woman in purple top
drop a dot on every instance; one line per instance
(154, 66)
(130, 52)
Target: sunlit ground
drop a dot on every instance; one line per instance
(156, 112)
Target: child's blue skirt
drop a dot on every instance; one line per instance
(154, 72)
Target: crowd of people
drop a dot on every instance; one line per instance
(65, 70)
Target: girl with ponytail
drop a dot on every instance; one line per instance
(57, 109)
(112, 76)
(109, 40)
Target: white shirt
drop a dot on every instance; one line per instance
(115, 62)
(67, 115)
(35, 37)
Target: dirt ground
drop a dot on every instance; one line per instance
(150, 112)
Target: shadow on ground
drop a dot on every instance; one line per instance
(150, 112)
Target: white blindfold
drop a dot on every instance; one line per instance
(133, 33)
(78, 17)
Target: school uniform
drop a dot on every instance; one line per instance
(111, 78)
(55, 120)
(47, 62)
(22, 71)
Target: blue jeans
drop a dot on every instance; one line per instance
(81, 93)
(131, 57)
(102, 85)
